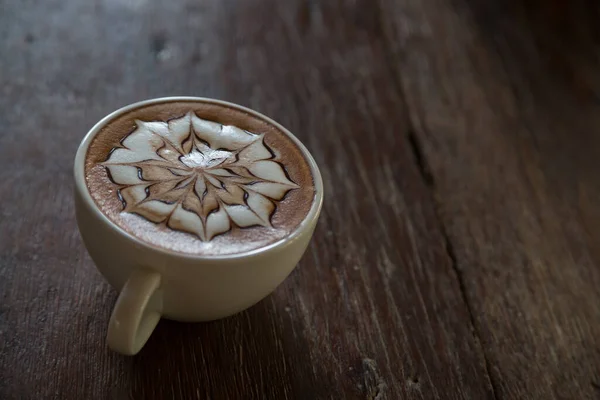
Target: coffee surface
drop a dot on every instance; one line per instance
(199, 178)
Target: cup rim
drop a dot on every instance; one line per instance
(79, 173)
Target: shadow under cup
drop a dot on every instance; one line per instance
(156, 282)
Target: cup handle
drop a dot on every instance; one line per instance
(136, 313)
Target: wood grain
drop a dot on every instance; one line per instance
(375, 309)
(509, 139)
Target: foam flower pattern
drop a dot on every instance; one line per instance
(198, 176)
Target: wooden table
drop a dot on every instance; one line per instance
(458, 252)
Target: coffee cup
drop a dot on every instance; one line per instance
(194, 209)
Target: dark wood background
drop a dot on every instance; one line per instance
(457, 256)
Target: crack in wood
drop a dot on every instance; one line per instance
(428, 179)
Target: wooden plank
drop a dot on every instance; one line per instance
(374, 310)
(510, 142)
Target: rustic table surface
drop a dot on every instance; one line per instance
(458, 252)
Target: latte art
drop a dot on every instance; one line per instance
(198, 176)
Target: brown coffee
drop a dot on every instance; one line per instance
(199, 177)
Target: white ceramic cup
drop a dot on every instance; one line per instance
(155, 282)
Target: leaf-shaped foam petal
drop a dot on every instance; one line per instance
(142, 144)
(255, 151)
(219, 172)
(243, 216)
(221, 136)
(157, 127)
(206, 130)
(187, 221)
(169, 154)
(192, 203)
(209, 203)
(155, 211)
(124, 174)
(161, 189)
(237, 136)
(233, 194)
(215, 182)
(216, 223)
(200, 187)
(133, 195)
(241, 171)
(261, 206)
(275, 191)
(184, 182)
(179, 129)
(126, 156)
(181, 171)
(160, 173)
(270, 171)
